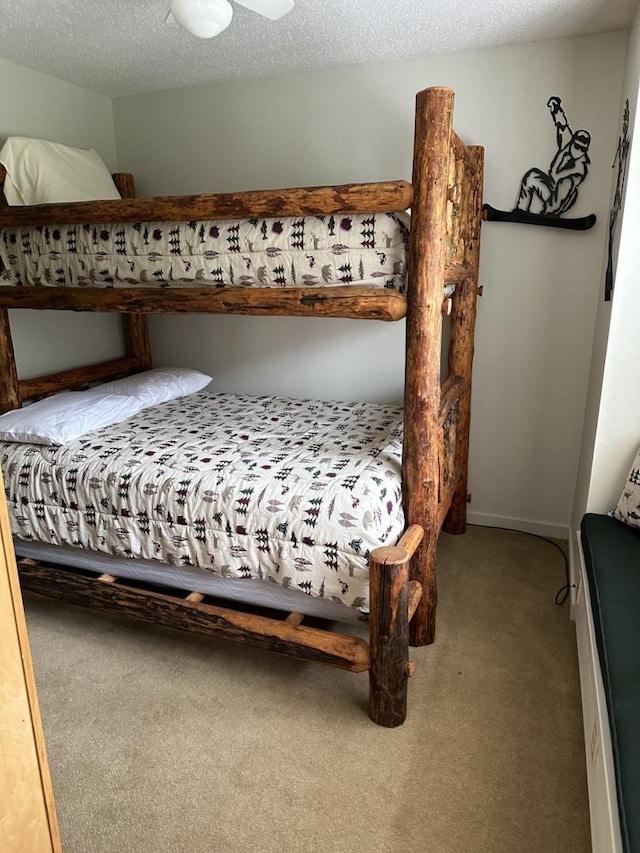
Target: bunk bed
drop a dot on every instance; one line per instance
(443, 242)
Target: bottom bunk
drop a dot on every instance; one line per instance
(207, 490)
(293, 492)
(212, 494)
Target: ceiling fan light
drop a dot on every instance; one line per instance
(202, 18)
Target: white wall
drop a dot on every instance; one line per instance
(612, 423)
(356, 123)
(34, 104)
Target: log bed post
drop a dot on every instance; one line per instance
(463, 320)
(388, 635)
(135, 327)
(9, 386)
(427, 253)
(392, 602)
(135, 330)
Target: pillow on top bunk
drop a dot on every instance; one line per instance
(628, 508)
(41, 172)
(66, 416)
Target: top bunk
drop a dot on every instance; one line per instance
(335, 251)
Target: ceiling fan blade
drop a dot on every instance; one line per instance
(272, 9)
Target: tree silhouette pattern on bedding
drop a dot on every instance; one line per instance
(313, 251)
(297, 492)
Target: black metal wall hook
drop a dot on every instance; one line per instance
(575, 223)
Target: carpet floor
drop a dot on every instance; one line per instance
(162, 742)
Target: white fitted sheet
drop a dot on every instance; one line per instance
(191, 579)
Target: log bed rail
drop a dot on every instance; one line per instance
(445, 196)
(393, 603)
(299, 201)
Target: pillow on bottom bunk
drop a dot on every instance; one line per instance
(158, 385)
(64, 417)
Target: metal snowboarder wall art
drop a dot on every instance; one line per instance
(622, 152)
(546, 195)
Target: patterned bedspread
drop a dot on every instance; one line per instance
(313, 251)
(296, 492)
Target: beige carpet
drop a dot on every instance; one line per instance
(160, 742)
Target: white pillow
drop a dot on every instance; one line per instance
(39, 172)
(158, 385)
(66, 416)
(628, 508)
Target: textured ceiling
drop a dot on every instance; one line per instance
(124, 47)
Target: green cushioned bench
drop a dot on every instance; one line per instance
(612, 560)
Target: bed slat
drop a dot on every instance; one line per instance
(196, 597)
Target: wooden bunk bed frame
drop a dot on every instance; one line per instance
(445, 198)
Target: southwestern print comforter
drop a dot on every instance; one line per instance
(368, 250)
(295, 492)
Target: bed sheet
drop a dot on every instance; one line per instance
(297, 492)
(367, 250)
(261, 594)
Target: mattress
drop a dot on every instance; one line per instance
(367, 250)
(293, 492)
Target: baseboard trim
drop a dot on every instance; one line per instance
(539, 528)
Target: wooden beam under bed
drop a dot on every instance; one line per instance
(360, 303)
(394, 600)
(148, 605)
